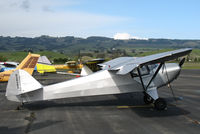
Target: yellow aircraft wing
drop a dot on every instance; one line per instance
(69, 65)
(42, 68)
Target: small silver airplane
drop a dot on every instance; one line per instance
(120, 75)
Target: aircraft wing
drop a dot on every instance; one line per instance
(124, 65)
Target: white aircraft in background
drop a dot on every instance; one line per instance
(120, 75)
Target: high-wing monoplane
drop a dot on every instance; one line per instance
(120, 75)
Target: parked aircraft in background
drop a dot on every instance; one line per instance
(120, 75)
(71, 66)
(88, 67)
(44, 65)
(85, 70)
(28, 64)
(5, 66)
(93, 64)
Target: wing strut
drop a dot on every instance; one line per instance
(141, 78)
(154, 75)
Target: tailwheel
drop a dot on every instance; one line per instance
(20, 107)
(148, 99)
(160, 104)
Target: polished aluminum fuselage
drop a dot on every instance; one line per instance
(104, 82)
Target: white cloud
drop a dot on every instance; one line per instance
(34, 5)
(122, 36)
(32, 18)
(126, 36)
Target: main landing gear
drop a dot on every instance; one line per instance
(150, 94)
(148, 99)
(159, 104)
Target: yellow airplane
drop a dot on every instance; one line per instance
(28, 64)
(70, 65)
(42, 68)
(73, 65)
(44, 65)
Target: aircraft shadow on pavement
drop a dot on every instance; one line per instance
(133, 101)
(104, 100)
(171, 110)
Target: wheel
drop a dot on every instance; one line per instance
(148, 99)
(160, 104)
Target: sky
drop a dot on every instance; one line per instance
(140, 19)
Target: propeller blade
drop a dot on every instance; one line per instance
(181, 62)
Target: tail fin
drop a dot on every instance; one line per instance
(20, 82)
(28, 64)
(44, 60)
(86, 71)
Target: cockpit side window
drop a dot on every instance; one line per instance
(143, 70)
(9, 65)
(151, 67)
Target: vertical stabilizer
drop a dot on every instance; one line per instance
(28, 64)
(44, 60)
(20, 82)
(86, 71)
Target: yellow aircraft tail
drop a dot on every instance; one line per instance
(28, 64)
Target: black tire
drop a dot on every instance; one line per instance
(148, 99)
(160, 104)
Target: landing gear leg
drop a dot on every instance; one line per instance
(160, 104)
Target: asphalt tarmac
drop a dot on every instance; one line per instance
(112, 114)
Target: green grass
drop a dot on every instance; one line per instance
(14, 56)
(191, 65)
(19, 56)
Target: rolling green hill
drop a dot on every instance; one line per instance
(72, 45)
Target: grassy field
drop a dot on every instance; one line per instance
(19, 56)
(191, 65)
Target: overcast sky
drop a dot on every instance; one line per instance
(82, 18)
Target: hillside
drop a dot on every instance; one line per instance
(72, 45)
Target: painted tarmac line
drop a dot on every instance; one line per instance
(192, 120)
(140, 106)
